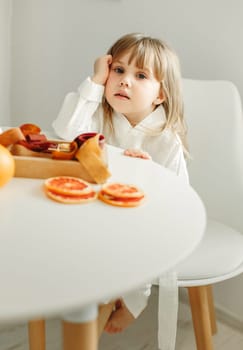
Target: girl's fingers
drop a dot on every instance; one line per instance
(137, 153)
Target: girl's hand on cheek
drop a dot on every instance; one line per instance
(132, 152)
(102, 69)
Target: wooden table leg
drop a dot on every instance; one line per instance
(105, 311)
(80, 336)
(37, 339)
(80, 329)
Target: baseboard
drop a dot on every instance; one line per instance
(222, 314)
(229, 318)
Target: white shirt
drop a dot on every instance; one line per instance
(82, 112)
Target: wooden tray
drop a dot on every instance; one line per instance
(90, 162)
(42, 168)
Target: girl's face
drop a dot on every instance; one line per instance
(132, 91)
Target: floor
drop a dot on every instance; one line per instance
(142, 335)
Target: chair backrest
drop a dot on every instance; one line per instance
(213, 113)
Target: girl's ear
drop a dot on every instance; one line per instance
(160, 98)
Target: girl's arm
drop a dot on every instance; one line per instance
(78, 108)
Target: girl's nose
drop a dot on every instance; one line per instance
(124, 82)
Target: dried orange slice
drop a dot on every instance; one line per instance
(122, 195)
(75, 199)
(121, 190)
(67, 185)
(65, 151)
(30, 129)
(11, 136)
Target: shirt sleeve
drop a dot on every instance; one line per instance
(78, 108)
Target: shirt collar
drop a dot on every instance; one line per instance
(155, 119)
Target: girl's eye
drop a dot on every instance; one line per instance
(141, 76)
(119, 70)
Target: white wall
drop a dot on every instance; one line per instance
(5, 25)
(55, 43)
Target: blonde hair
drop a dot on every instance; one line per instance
(146, 50)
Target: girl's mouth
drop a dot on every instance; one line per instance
(122, 96)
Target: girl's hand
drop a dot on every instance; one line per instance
(131, 152)
(102, 69)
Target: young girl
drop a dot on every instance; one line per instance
(134, 98)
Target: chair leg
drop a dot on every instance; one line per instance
(37, 336)
(212, 310)
(198, 297)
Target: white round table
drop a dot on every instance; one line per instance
(55, 257)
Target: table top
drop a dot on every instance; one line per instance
(56, 257)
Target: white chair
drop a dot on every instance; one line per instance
(215, 130)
